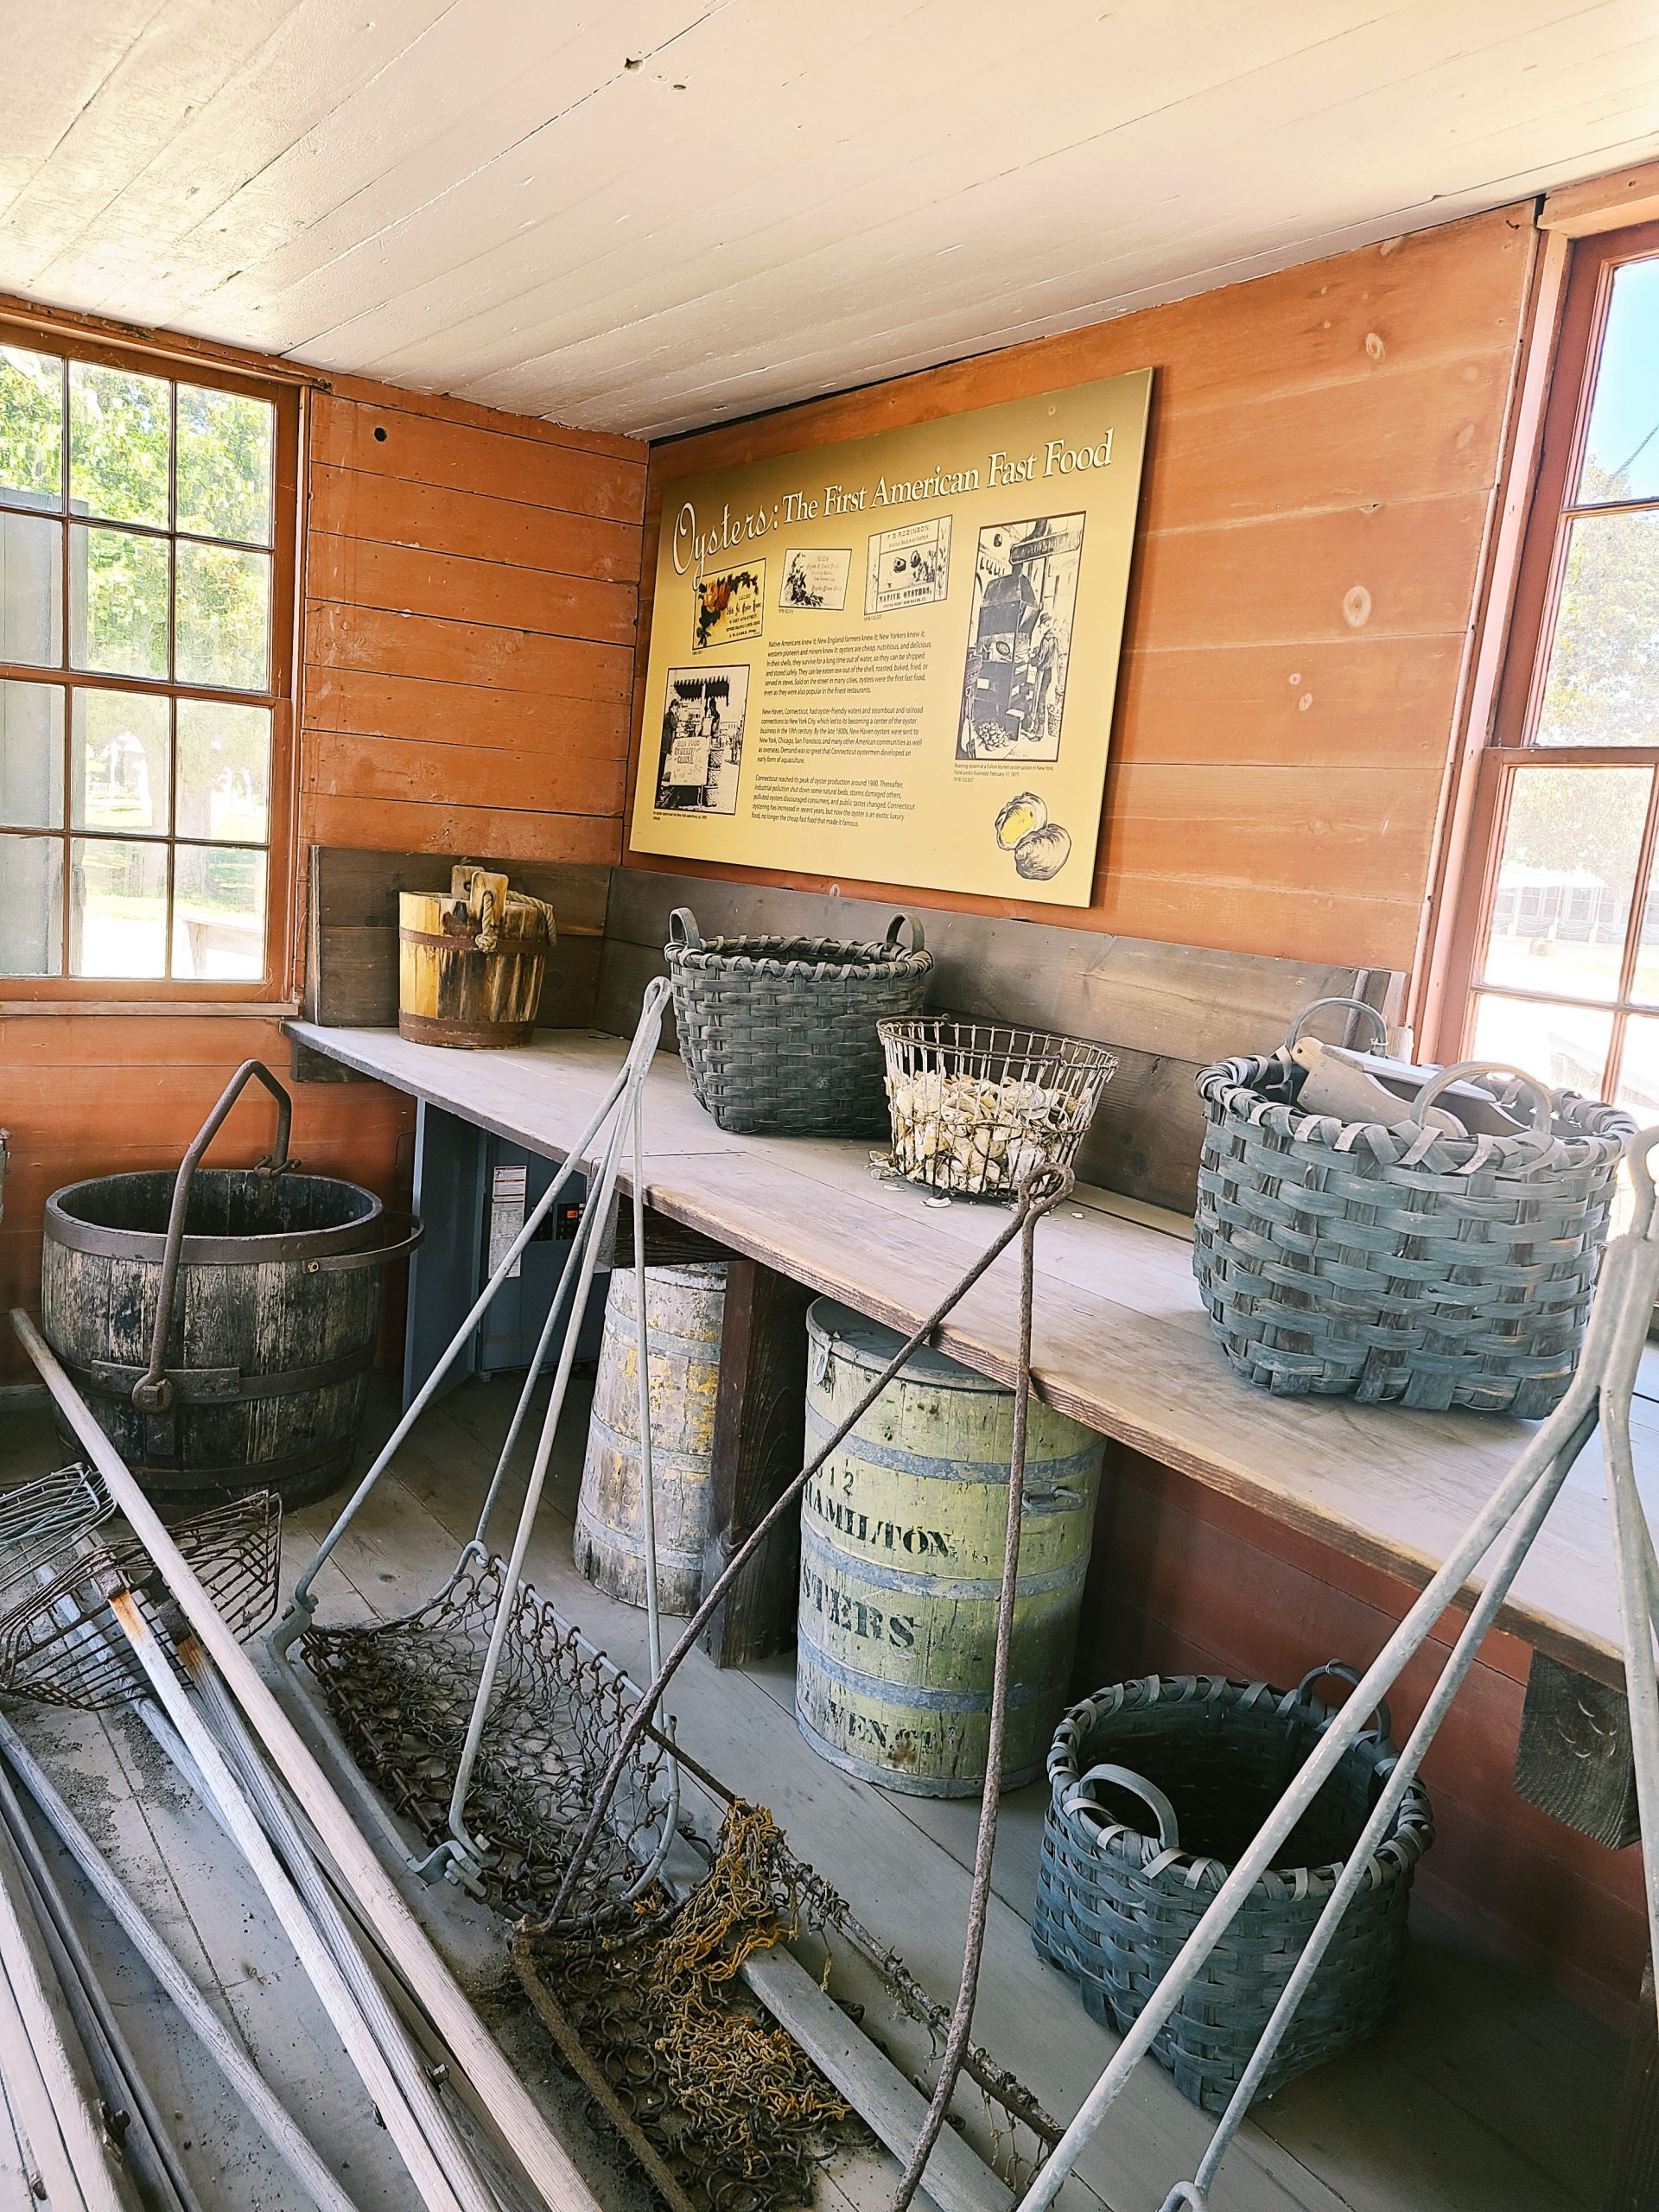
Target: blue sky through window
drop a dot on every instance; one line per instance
(1624, 416)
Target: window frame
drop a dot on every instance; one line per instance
(1509, 747)
(45, 334)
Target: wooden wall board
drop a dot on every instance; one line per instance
(352, 941)
(497, 460)
(421, 711)
(540, 779)
(473, 524)
(338, 636)
(1167, 1010)
(1325, 449)
(400, 579)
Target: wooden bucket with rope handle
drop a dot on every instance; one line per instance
(471, 961)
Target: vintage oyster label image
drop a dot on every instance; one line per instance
(815, 579)
(908, 568)
(700, 758)
(1020, 640)
(728, 607)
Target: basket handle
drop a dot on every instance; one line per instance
(1360, 1006)
(1381, 1727)
(1544, 1112)
(900, 922)
(683, 930)
(1080, 1806)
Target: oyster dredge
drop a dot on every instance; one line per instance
(828, 1089)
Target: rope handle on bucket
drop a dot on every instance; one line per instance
(152, 1393)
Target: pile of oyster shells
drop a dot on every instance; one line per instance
(963, 1133)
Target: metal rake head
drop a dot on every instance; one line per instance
(59, 1641)
(41, 1521)
(401, 1692)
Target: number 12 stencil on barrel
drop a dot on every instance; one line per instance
(901, 1560)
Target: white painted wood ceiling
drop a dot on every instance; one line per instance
(652, 214)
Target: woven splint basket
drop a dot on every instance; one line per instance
(1345, 1259)
(1202, 1761)
(778, 1033)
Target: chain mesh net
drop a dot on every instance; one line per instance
(736, 2112)
(401, 1692)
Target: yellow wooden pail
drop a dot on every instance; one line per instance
(901, 1562)
(685, 1306)
(471, 961)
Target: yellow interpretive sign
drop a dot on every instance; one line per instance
(894, 658)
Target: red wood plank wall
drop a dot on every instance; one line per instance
(1325, 447)
(466, 649)
(1186, 1581)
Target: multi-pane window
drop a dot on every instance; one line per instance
(1563, 939)
(143, 606)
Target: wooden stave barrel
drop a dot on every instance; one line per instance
(893, 1661)
(452, 992)
(268, 1356)
(685, 1309)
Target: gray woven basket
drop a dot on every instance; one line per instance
(1345, 1259)
(778, 1033)
(1203, 1760)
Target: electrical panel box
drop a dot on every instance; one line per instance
(472, 1190)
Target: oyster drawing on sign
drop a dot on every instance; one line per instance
(1040, 847)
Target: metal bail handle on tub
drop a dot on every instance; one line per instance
(153, 1392)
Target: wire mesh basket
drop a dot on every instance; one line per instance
(977, 1106)
(401, 1692)
(59, 1644)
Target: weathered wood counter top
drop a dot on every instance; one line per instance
(1121, 1340)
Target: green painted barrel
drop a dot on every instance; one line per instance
(901, 1562)
(685, 1307)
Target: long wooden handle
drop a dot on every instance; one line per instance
(524, 2133)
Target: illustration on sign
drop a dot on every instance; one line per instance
(902, 649)
(728, 606)
(815, 579)
(1020, 640)
(909, 567)
(702, 755)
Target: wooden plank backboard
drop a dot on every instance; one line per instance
(1165, 1010)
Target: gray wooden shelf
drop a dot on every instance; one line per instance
(1122, 1341)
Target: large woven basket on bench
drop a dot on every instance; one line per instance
(1342, 1258)
(1202, 1761)
(778, 1033)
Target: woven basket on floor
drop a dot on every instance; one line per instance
(778, 1033)
(1204, 1761)
(1345, 1259)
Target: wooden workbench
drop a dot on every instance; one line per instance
(1121, 1340)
